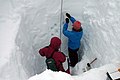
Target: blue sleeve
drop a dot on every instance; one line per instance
(72, 19)
(65, 31)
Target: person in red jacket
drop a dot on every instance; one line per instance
(58, 56)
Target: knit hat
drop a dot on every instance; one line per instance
(77, 25)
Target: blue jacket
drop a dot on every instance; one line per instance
(73, 36)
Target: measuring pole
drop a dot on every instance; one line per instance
(61, 19)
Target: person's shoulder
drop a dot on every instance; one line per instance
(60, 53)
(44, 48)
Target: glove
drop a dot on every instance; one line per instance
(68, 15)
(67, 20)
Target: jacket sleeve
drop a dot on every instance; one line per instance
(72, 19)
(60, 67)
(41, 51)
(65, 31)
(60, 58)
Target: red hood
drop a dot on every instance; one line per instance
(55, 43)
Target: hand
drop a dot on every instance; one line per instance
(68, 15)
(67, 20)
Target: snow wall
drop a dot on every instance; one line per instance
(32, 23)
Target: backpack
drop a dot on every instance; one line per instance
(51, 64)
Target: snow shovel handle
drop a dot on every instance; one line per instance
(93, 61)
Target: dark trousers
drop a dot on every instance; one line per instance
(73, 56)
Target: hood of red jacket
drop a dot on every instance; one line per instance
(55, 43)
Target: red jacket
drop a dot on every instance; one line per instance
(58, 56)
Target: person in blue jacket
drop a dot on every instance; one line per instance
(74, 36)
